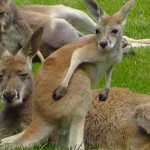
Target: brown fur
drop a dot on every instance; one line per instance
(115, 123)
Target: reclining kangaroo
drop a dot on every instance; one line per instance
(68, 114)
(121, 122)
(78, 19)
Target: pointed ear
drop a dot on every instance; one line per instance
(3, 52)
(123, 12)
(30, 49)
(96, 11)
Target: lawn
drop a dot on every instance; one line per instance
(133, 71)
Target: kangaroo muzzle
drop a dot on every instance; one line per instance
(103, 43)
(9, 96)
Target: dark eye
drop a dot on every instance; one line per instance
(97, 31)
(23, 75)
(114, 31)
(2, 13)
(1, 75)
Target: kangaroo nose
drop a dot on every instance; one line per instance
(9, 95)
(103, 44)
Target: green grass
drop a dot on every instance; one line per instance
(134, 71)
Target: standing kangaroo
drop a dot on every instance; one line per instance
(68, 114)
(109, 33)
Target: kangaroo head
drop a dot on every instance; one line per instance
(109, 30)
(6, 14)
(15, 71)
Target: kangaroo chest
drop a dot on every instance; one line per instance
(98, 69)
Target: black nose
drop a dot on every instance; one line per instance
(103, 44)
(9, 96)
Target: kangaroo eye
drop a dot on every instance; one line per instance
(97, 31)
(23, 75)
(1, 75)
(114, 31)
(2, 13)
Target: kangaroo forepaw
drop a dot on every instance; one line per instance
(102, 97)
(59, 93)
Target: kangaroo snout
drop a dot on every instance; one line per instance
(103, 43)
(8, 96)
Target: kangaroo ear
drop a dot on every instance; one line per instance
(96, 11)
(3, 52)
(123, 12)
(30, 49)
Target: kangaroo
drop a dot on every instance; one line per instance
(121, 122)
(77, 18)
(16, 85)
(109, 37)
(15, 30)
(57, 32)
(68, 114)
